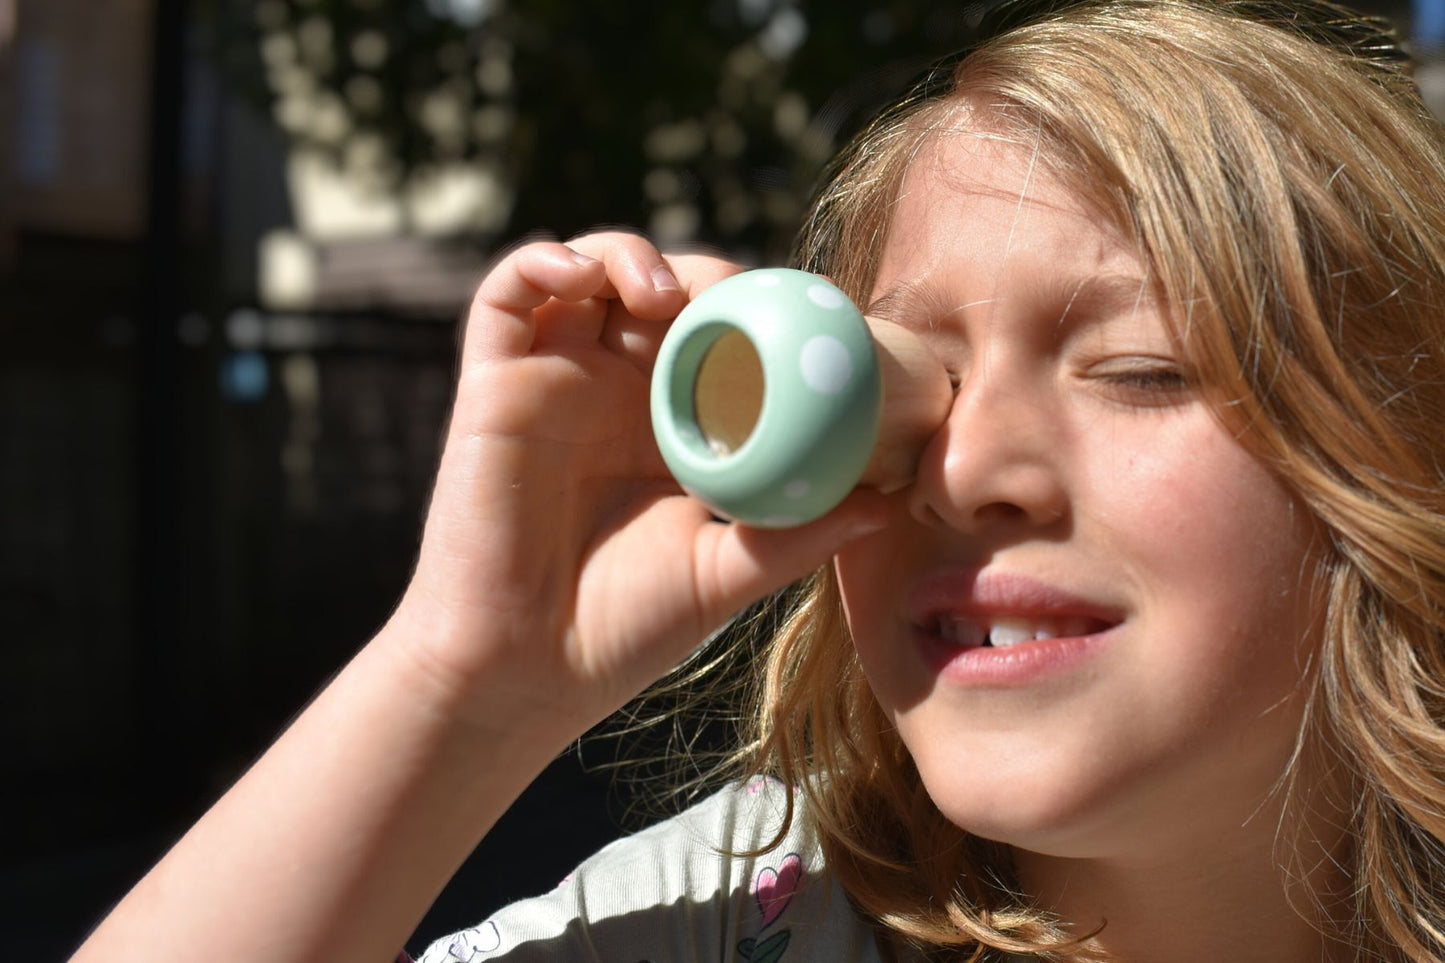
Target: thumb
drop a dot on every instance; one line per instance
(747, 563)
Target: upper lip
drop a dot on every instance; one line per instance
(985, 594)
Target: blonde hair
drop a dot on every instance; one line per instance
(1286, 186)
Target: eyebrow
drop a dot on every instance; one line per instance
(915, 304)
(921, 305)
(1102, 293)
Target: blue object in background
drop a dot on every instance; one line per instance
(1428, 24)
(245, 377)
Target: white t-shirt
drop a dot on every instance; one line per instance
(673, 892)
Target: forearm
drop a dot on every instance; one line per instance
(559, 574)
(340, 837)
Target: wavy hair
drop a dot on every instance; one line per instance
(1286, 185)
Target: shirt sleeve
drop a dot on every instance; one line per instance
(684, 890)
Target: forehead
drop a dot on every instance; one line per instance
(977, 191)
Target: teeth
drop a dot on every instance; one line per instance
(1005, 632)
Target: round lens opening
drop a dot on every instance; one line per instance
(728, 394)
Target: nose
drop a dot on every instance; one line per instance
(999, 459)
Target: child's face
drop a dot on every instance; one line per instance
(1080, 489)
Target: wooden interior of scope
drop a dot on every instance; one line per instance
(728, 394)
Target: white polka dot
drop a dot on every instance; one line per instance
(826, 296)
(765, 280)
(797, 489)
(826, 365)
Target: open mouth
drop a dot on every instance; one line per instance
(1006, 631)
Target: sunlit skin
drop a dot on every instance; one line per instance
(1083, 483)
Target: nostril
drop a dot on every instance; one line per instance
(1006, 511)
(929, 515)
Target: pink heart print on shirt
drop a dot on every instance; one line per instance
(774, 888)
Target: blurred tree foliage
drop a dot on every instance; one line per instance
(697, 120)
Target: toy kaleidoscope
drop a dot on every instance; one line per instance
(766, 397)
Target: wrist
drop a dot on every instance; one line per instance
(474, 685)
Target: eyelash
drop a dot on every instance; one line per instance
(1146, 381)
(1150, 379)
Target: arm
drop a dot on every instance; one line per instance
(560, 572)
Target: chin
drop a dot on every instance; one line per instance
(1046, 816)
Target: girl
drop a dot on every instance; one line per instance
(1146, 664)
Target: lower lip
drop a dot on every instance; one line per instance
(1027, 663)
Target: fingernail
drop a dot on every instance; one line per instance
(664, 280)
(582, 259)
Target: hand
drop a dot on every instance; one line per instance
(561, 569)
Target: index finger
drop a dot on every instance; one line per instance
(697, 271)
(638, 339)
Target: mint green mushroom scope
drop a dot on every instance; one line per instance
(766, 397)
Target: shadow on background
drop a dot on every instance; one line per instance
(235, 241)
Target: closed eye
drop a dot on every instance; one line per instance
(1143, 381)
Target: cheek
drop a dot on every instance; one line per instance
(862, 585)
(871, 582)
(1220, 551)
(1192, 501)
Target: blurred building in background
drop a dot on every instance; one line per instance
(235, 240)
(212, 481)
